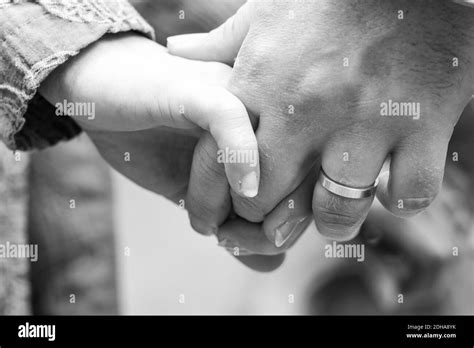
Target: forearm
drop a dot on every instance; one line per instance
(36, 38)
(105, 76)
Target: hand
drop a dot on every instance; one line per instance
(160, 160)
(135, 124)
(134, 84)
(420, 257)
(209, 204)
(157, 159)
(325, 79)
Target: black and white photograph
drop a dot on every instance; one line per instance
(227, 159)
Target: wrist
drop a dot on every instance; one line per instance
(106, 75)
(68, 80)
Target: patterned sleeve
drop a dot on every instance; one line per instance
(35, 38)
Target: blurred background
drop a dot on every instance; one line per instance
(126, 250)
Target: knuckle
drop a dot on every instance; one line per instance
(209, 208)
(199, 207)
(206, 167)
(339, 213)
(249, 209)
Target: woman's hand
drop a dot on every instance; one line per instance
(134, 84)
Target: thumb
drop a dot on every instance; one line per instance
(220, 45)
(222, 114)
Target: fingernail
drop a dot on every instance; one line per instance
(249, 185)
(417, 204)
(285, 231)
(409, 207)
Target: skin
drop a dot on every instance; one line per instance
(237, 232)
(168, 92)
(161, 161)
(129, 125)
(160, 141)
(290, 56)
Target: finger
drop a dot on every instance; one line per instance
(208, 200)
(290, 218)
(284, 164)
(416, 173)
(350, 162)
(280, 230)
(423, 240)
(217, 110)
(244, 238)
(220, 45)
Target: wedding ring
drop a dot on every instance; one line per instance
(346, 191)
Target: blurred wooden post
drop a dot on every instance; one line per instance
(71, 220)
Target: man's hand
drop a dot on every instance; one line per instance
(354, 83)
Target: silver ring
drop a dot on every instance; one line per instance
(346, 191)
